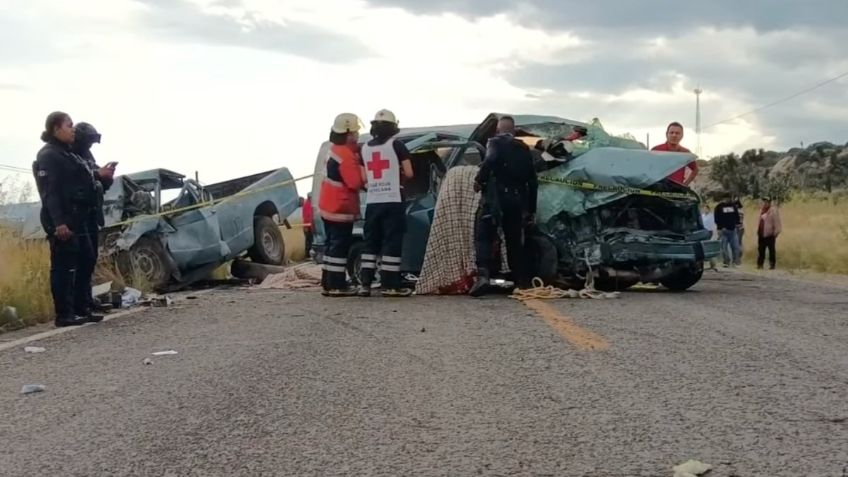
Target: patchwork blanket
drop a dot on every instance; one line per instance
(449, 261)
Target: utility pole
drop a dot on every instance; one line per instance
(698, 92)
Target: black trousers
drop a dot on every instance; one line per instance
(72, 264)
(385, 225)
(94, 235)
(307, 236)
(766, 244)
(339, 240)
(512, 218)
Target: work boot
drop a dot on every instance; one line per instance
(364, 291)
(91, 316)
(71, 320)
(341, 292)
(397, 293)
(481, 284)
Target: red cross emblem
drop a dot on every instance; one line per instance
(377, 164)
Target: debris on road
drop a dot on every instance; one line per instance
(102, 290)
(33, 388)
(147, 361)
(692, 468)
(305, 276)
(8, 315)
(34, 349)
(165, 353)
(130, 297)
(159, 301)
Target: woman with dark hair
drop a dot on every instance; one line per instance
(338, 203)
(67, 190)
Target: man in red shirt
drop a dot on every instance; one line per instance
(307, 223)
(673, 135)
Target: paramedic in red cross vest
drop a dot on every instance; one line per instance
(673, 136)
(385, 160)
(338, 203)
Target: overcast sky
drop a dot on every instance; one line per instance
(233, 87)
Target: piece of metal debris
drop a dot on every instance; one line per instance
(34, 349)
(165, 353)
(33, 388)
(692, 468)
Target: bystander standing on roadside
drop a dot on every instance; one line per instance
(727, 220)
(708, 219)
(768, 229)
(307, 216)
(740, 229)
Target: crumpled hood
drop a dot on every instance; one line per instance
(607, 166)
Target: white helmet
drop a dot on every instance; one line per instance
(346, 123)
(386, 116)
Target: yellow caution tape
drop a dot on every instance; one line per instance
(208, 203)
(584, 185)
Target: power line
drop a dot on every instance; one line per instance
(779, 101)
(19, 170)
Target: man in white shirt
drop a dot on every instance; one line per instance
(708, 220)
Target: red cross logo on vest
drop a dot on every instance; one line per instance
(377, 165)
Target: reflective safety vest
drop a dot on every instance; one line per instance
(382, 169)
(339, 197)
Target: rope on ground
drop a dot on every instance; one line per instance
(542, 292)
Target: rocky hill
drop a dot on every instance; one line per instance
(819, 167)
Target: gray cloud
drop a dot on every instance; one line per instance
(185, 20)
(656, 15)
(748, 52)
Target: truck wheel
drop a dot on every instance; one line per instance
(684, 278)
(543, 260)
(146, 264)
(268, 246)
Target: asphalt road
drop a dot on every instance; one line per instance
(747, 374)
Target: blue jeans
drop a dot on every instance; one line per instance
(730, 249)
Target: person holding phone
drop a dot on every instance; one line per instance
(68, 193)
(85, 135)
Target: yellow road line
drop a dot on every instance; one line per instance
(570, 331)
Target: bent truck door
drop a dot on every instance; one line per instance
(429, 164)
(197, 240)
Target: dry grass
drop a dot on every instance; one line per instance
(24, 280)
(815, 235)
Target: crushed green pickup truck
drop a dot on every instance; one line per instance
(605, 206)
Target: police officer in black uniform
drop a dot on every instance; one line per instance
(68, 193)
(85, 135)
(507, 178)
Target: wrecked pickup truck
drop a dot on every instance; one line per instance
(627, 223)
(168, 244)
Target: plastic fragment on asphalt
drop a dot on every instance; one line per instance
(165, 353)
(130, 297)
(34, 349)
(692, 468)
(33, 388)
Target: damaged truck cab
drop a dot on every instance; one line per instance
(174, 243)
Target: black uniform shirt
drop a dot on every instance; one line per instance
(510, 162)
(65, 184)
